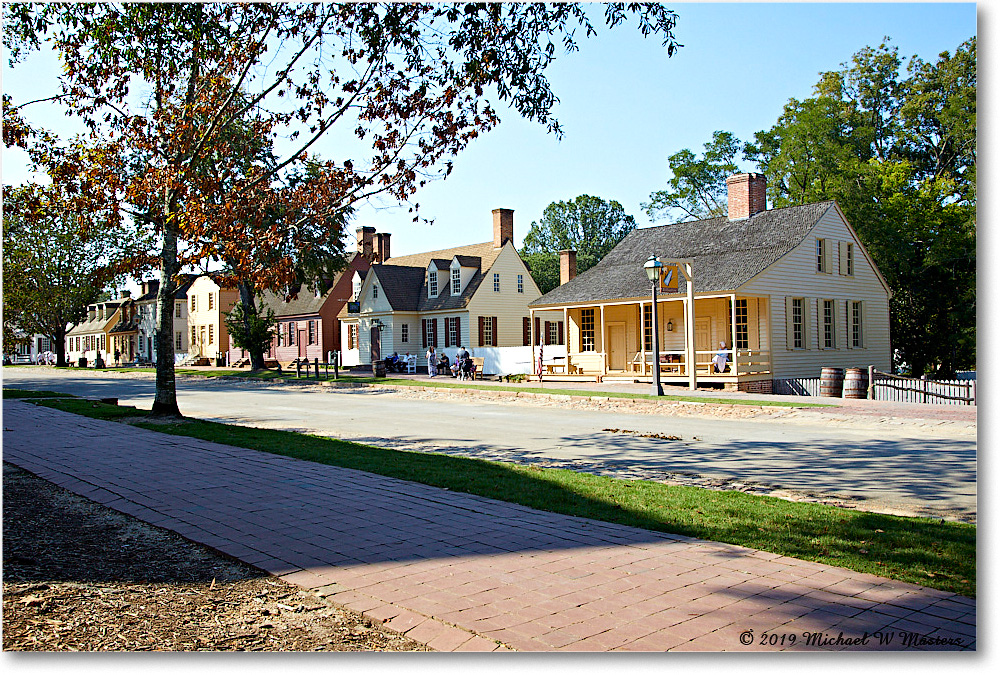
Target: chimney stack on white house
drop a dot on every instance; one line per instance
(381, 247)
(747, 195)
(567, 266)
(366, 237)
(503, 227)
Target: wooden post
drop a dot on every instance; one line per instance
(871, 383)
(566, 336)
(689, 329)
(732, 335)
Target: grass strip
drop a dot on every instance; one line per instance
(928, 552)
(30, 393)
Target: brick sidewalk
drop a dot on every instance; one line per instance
(464, 573)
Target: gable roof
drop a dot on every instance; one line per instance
(407, 290)
(305, 301)
(726, 254)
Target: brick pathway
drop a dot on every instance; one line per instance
(465, 573)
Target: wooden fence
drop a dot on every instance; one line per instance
(889, 387)
(892, 388)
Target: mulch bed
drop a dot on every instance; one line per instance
(78, 576)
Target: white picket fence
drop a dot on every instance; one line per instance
(893, 388)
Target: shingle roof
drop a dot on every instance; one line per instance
(304, 302)
(726, 254)
(407, 291)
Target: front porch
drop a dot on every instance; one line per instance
(613, 341)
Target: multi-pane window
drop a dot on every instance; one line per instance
(857, 335)
(312, 332)
(404, 332)
(798, 323)
(211, 332)
(553, 328)
(291, 334)
(488, 329)
(352, 336)
(178, 340)
(211, 301)
(374, 291)
(828, 339)
(647, 328)
(520, 283)
(453, 327)
(849, 250)
(821, 255)
(194, 304)
(356, 290)
(194, 335)
(177, 310)
(496, 282)
(742, 325)
(456, 281)
(587, 335)
(432, 283)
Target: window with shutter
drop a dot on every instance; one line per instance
(526, 332)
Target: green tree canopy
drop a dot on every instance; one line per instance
(589, 225)
(698, 185)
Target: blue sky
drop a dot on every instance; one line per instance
(625, 107)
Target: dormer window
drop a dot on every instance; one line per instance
(374, 291)
(357, 288)
(456, 281)
(432, 283)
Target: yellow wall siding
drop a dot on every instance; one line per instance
(796, 275)
(222, 302)
(509, 306)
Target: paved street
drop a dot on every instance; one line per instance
(465, 573)
(899, 465)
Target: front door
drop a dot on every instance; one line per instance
(302, 344)
(702, 338)
(616, 346)
(376, 342)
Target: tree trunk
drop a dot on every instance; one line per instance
(59, 342)
(250, 309)
(165, 402)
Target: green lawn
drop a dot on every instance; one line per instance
(923, 551)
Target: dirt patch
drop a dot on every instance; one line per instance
(78, 576)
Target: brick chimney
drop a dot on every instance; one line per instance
(503, 227)
(747, 195)
(382, 247)
(366, 236)
(567, 266)
(150, 286)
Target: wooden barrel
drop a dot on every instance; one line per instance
(856, 383)
(831, 382)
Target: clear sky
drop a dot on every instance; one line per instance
(625, 107)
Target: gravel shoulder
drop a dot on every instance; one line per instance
(78, 576)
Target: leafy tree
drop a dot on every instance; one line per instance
(698, 186)
(251, 330)
(56, 261)
(162, 87)
(589, 225)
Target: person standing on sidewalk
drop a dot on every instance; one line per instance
(431, 361)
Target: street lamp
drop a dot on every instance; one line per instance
(653, 267)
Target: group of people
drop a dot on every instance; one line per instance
(438, 363)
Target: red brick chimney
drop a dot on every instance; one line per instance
(503, 227)
(747, 195)
(382, 246)
(567, 266)
(366, 235)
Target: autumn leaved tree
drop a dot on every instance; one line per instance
(403, 87)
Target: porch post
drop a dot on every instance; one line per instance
(732, 333)
(604, 345)
(566, 336)
(689, 329)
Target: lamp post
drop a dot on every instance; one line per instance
(653, 267)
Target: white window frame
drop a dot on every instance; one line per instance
(456, 281)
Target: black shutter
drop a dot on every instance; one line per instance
(434, 332)
(561, 333)
(447, 331)
(538, 330)
(458, 331)
(495, 331)
(526, 332)
(482, 331)
(548, 332)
